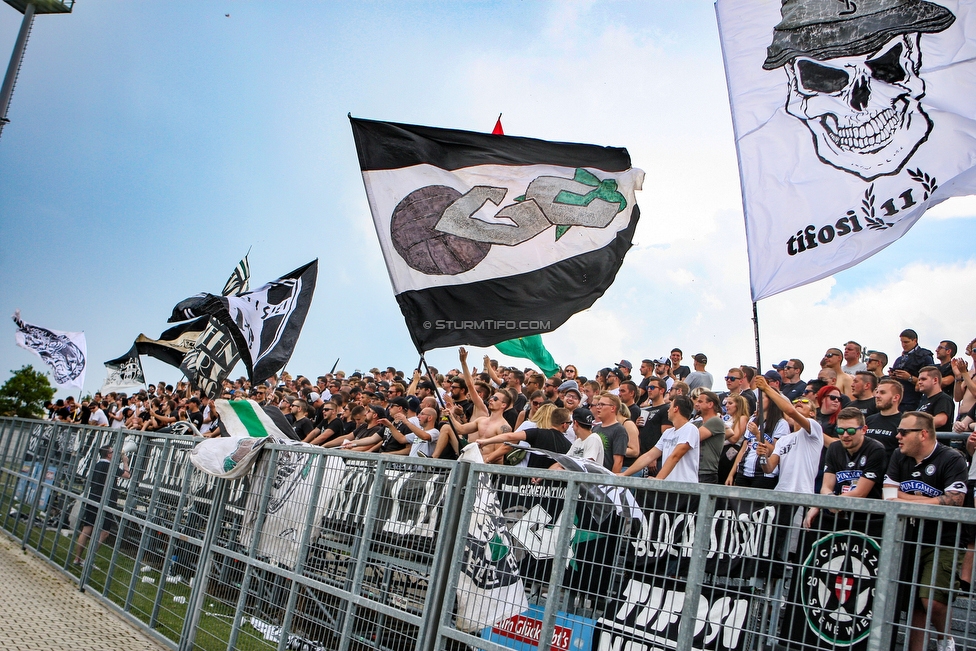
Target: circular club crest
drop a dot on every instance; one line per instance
(837, 586)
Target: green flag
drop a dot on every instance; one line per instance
(530, 348)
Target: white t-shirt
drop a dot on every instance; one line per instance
(98, 418)
(589, 448)
(799, 459)
(687, 467)
(418, 445)
(854, 368)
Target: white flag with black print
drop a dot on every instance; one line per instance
(851, 119)
(123, 373)
(214, 354)
(265, 323)
(489, 238)
(64, 352)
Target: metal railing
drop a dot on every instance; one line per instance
(317, 549)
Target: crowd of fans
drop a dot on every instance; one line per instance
(862, 427)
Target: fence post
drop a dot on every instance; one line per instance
(313, 503)
(199, 590)
(696, 572)
(886, 585)
(559, 563)
(451, 521)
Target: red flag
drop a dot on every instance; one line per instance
(497, 131)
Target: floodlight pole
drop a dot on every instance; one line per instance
(14, 68)
(29, 8)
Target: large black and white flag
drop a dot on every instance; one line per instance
(488, 237)
(265, 323)
(173, 345)
(851, 119)
(215, 354)
(124, 372)
(64, 352)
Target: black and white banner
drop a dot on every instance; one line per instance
(851, 119)
(215, 355)
(489, 238)
(123, 373)
(64, 352)
(265, 323)
(173, 345)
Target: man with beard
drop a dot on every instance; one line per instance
(485, 427)
(934, 401)
(793, 386)
(655, 415)
(854, 465)
(883, 425)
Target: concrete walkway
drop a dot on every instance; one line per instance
(43, 610)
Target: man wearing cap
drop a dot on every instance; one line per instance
(614, 377)
(587, 444)
(699, 377)
(792, 386)
(662, 369)
(626, 368)
(774, 379)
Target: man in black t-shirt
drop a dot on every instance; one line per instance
(96, 488)
(193, 413)
(854, 465)
(656, 410)
(303, 424)
(329, 427)
(883, 425)
(934, 400)
(928, 472)
(863, 385)
(944, 353)
(680, 372)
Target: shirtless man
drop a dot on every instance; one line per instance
(832, 359)
(486, 426)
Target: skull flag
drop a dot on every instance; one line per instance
(124, 373)
(265, 323)
(851, 119)
(64, 352)
(488, 238)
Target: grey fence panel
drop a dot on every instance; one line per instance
(318, 549)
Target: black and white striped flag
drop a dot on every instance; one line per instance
(265, 323)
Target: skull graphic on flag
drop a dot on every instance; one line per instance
(853, 74)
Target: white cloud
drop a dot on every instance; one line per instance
(954, 208)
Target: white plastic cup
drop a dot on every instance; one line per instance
(890, 491)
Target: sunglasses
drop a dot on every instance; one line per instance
(801, 400)
(841, 431)
(732, 378)
(833, 397)
(904, 431)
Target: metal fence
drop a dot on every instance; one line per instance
(323, 550)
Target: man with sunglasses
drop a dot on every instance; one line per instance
(733, 382)
(854, 465)
(792, 385)
(927, 472)
(832, 360)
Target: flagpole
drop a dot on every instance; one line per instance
(755, 328)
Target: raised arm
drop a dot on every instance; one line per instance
(491, 372)
(783, 403)
(479, 404)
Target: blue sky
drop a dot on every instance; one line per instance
(152, 143)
